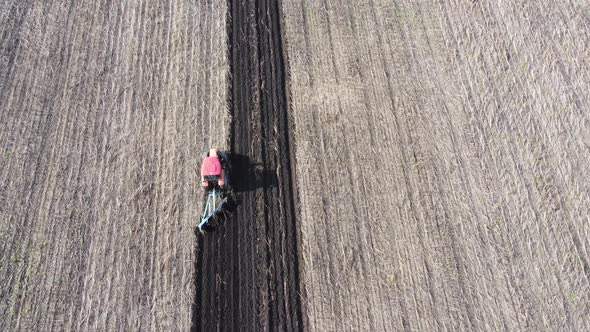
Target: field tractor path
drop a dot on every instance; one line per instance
(247, 270)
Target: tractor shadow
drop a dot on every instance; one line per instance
(247, 175)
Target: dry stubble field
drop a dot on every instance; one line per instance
(443, 163)
(104, 106)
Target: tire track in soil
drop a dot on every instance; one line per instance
(247, 272)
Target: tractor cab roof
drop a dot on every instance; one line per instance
(211, 166)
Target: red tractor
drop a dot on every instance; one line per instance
(215, 180)
(214, 169)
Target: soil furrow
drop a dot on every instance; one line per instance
(256, 284)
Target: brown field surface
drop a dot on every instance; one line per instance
(443, 158)
(399, 165)
(104, 108)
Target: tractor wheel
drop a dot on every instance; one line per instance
(226, 183)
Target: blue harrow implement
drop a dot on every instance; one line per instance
(214, 209)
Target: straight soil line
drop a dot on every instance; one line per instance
(248, 270)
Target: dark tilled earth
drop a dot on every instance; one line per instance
(247, 270)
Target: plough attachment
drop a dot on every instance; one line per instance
(214, 209)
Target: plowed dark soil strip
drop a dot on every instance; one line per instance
(247, 271)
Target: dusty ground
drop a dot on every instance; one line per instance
(443, 156)
(104, 108)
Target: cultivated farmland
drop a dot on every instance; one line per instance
(443, 163)
(104, 109)
(415, 165)
(247, 273)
